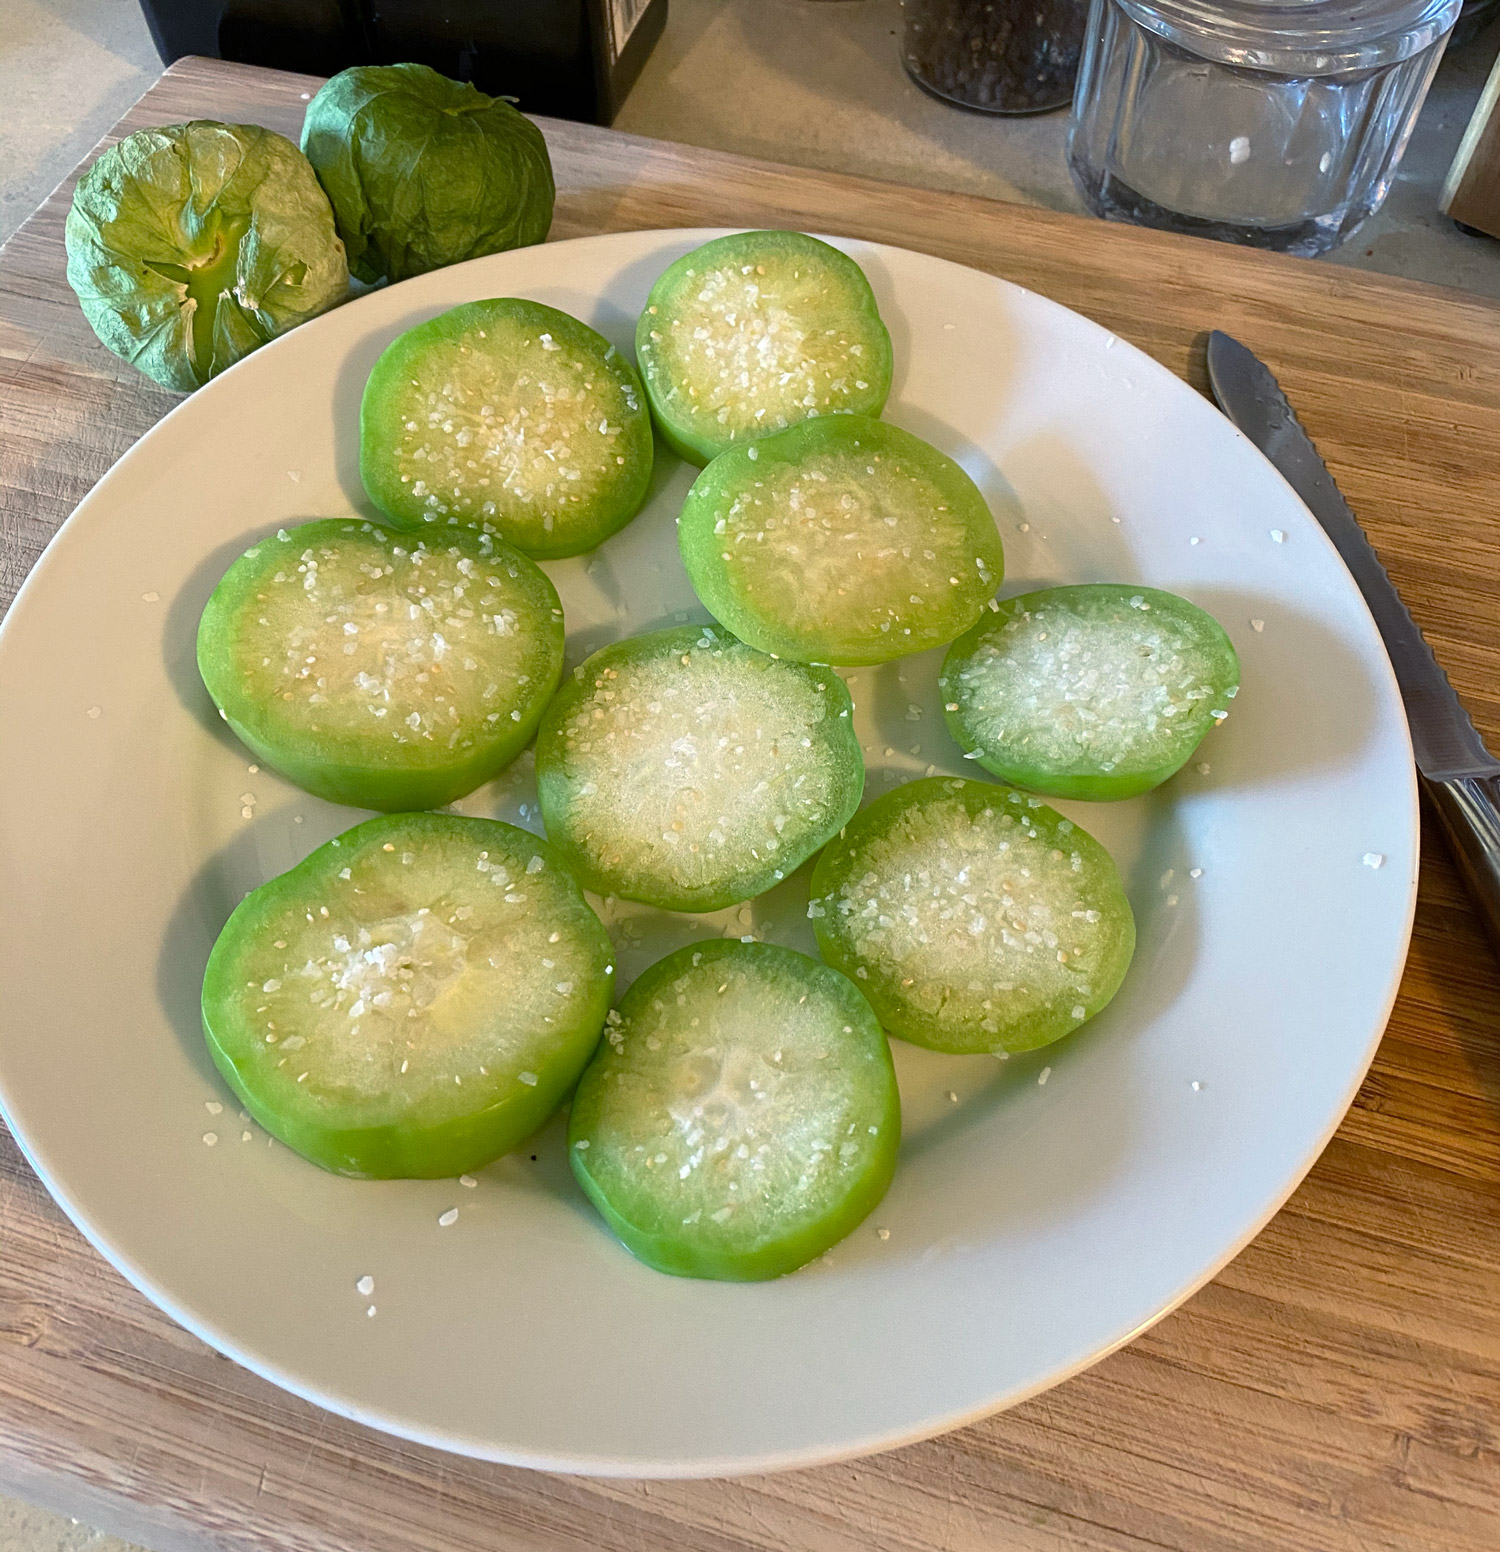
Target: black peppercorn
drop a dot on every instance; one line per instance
(1003, 56)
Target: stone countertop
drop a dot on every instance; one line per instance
(820, 83)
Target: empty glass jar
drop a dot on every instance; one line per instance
(1274, 123)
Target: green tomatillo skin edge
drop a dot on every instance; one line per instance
(380, 428)
(316, 765)
(679, 1257)
(1078, 786)
(396, 1150)
(895, 1013)
(696, 447)
(554, 787)
(722, 593)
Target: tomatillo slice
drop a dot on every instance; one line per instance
(512, 417)
(754, 332)
(973, 917)
(843, 540)
(379, 669)
(687, 770)
(741, 1116)
(1098, 691)
(413, 999)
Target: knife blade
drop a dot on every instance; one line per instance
(1460, 775)
(1443, 738)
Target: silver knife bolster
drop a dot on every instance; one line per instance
(1469, 810)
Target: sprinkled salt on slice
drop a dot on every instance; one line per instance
(1043, 1075)
(1277, 536)
(883, 1233)
(1197, 1086)
(528, 1078)
(952, 1097)
(467, 1180)
(1195, 541)
(1203, 767)
(370, 1311)
(365, 1285)
(151, 598)
(210, 1138)
(213, 1107)
(1087, 682)
(1239, 150)
(94, 713)
(1374, 859)
(448, 1219)
(1195, 872)
(1257, 626)
(690, 767)
(246, 1137)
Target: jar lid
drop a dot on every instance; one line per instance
(1298, 37)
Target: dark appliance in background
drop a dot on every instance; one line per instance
(575, 59)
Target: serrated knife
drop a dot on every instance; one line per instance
(1459, 775)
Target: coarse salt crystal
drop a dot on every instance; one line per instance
(1257, 626)
(1374, 859)
(448, 1219)
(213, 1107)
(366, 1285)
(94, 713)
(1043, 1075)
(210, 1138)
(467, 1180)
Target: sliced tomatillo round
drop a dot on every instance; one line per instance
(754, 332)
(973, 917)
(379, 669)
(843, 540)
(742, 1115)
(508, 416)
(413, 999)
(687, 770)
(1101, 690)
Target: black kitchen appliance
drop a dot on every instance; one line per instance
(572, 58)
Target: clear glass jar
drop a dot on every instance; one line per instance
(1001, 56)
(1273, 123)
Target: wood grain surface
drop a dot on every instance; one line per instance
(1336, 1389)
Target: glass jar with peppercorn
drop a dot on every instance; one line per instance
(1000, 56)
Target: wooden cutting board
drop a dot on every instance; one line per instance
(1336, 1389)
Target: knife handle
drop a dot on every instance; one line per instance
(1469, 808)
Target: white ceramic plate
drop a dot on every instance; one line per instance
(1046, 1209)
